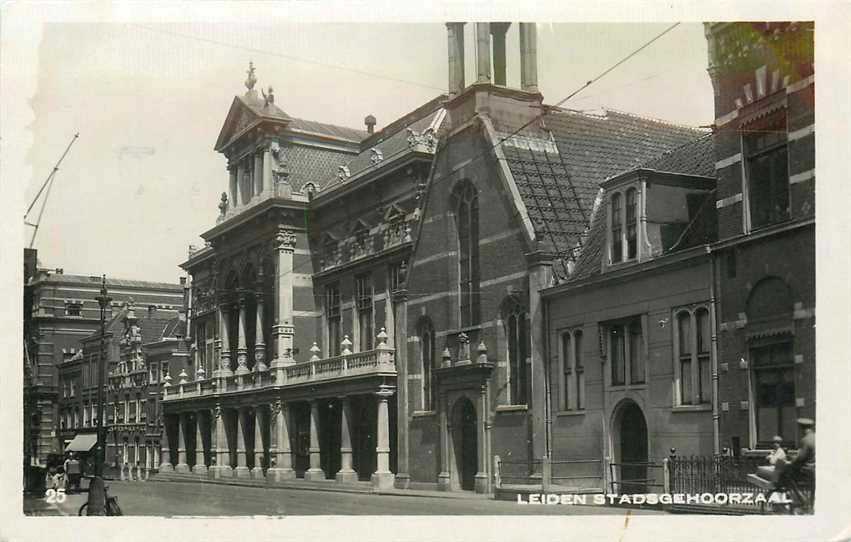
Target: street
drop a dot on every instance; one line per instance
(170, 499)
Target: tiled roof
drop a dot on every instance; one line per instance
(693, 158)
(315, 165)
(558, 169)
(390, 144)
(112, 282)
(330, 130)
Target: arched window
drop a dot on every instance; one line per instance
(692, 354)
(467, 221)
(517, 329)
(617, 228)
(573, 382)
(426, 335)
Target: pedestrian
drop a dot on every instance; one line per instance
(777, 454)
(74, 472)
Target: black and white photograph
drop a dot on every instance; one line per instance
(410, 272)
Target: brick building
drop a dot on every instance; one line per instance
(367, 305)
(62, 311)
(630, 332)
(763, 78)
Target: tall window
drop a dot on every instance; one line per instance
(427, 363)
(467, 217)
(692, 352)
(573, 382)
(363, 300)
(626, 352)
(332, 313)
(767, 170)
(200, 342)
(631, 224)
(518, 338)
(617, 228)
(774, 391)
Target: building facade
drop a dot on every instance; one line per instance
(763, 76)
(631, 332)
(367, 306)
(64, 311)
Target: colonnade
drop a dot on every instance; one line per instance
(255, 441)
(250, 177)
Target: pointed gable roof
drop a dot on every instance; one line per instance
(245, 112)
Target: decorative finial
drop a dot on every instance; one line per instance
(251, 80)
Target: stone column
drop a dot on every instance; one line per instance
(182, 433)
(241, 470)
(259, 449)
(283, 465)
(498, 31)
(444, 480)
(346, 473)
(233, 186)
(528, 57)
(259, 345)
(241, 348)
(240, 184)
(258, 174)
(222, 466)
(540, 275)
(382, 478)
(285, 245)
(455, 33)
(483, 53)
(315, 471)
(482, 478)
(267, 171)
(200, 463)
(224, 360)
(165, 449)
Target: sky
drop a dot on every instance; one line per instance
(148, 100)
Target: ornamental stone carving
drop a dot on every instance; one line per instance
(377, 156)
(425, 138)
(343, 173)
(279, 165)
(285, 239)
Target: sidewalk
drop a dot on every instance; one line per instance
(364, 488)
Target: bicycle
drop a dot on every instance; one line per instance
(798, 497)
(111, 508)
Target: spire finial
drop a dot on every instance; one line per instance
(251, 80)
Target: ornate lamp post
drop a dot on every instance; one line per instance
(97, 497)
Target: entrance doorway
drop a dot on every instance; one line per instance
(632, 446)
(465, 444)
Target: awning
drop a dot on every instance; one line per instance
(82, 443)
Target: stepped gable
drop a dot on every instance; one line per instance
(695, 157)
(558, 166)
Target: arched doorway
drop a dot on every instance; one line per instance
(631, 443)
(465, 443)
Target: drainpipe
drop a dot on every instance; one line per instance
(548, 420)
(716, 416)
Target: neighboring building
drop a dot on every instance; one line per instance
(765, 162)
(630, 333)
(139, 350)
(367, 304)
(64, 311)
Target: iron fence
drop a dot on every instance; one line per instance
(637, 477)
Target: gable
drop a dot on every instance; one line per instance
(245, 112)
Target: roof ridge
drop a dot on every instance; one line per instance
(672, 150)
(328, 124)
(652, 119)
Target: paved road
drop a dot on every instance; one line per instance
(195, 499)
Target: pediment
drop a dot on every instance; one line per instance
(242, 115)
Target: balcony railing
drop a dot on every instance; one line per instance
(366, 244)
(379, 361)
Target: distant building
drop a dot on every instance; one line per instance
(62, 311)
(764, 81)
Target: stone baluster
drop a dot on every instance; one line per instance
(315, 471)
(382, 478)
(346, 473)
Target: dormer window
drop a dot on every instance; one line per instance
(623, 220)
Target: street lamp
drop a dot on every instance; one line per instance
(97, 496)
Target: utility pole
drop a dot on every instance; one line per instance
(97, 495)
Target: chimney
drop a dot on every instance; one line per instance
(528, 57)
(369, 121)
